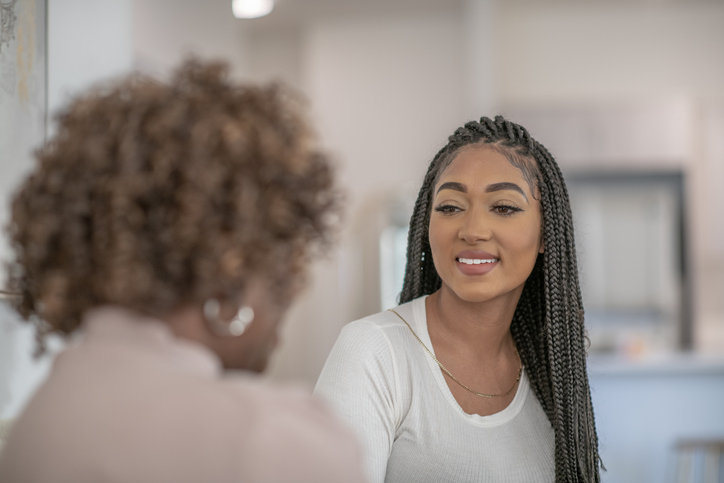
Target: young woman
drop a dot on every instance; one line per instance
(480, 374)
(169, 225)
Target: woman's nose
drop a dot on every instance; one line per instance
(476, 227)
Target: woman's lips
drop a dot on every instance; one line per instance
(475, 262)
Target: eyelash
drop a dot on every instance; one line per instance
(511, 209)
(449, 209)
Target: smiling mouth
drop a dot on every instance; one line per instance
(477, 261)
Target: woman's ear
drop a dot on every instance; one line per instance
(541, 245)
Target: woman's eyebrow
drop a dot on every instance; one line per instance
(504, 186)
(450, 185)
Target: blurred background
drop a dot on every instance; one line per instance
(628, 95)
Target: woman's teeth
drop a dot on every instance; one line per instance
(476, 261)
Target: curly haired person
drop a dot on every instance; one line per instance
(168, 225)
(480, 374)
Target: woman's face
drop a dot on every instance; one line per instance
(485, 227)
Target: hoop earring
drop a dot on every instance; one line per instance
(233, 328)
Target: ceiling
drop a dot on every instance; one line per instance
(290, 13)
(299, 12)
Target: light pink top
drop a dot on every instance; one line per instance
(132, 403)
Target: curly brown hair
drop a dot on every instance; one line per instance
(158, 195)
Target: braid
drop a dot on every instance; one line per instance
(548, 324)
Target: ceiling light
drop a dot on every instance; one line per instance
(251, 8)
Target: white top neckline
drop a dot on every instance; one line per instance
(419, 324)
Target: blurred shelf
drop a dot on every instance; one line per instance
(673, 364)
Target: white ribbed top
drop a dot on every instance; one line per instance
(383, 383)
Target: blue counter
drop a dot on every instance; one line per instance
(644, 407)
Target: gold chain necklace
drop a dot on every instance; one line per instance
(517, 380)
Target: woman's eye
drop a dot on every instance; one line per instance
(506, 209)
(447, 209)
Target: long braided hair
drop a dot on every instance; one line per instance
(548, 323)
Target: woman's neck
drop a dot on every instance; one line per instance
(480, 328)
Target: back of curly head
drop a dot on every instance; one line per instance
(548, 322)
(154, 195)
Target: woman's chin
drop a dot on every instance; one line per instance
(477, 294)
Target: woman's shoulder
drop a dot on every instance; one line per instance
(386, 321)
(380, 337)
(286, 419)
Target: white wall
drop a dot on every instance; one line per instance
(622, 51)
(275, 54)
(708, 228)
(386, 93)
(481, 39)
(88, 41)
(166, 31)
